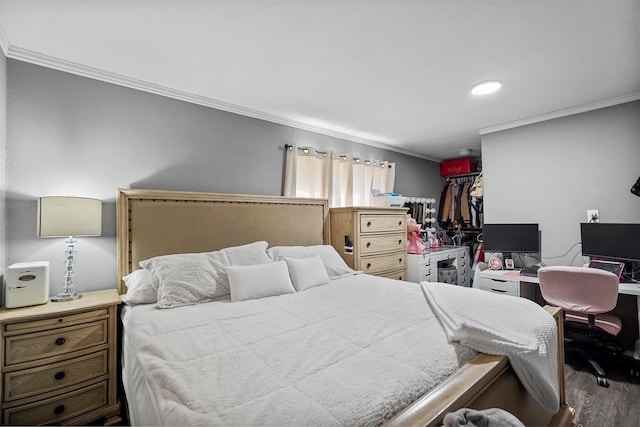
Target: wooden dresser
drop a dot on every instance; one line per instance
(59, 361)
(373, 240)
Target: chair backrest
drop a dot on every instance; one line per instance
(582, 289)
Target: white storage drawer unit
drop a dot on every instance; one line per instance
(500, 286)
(424, 268)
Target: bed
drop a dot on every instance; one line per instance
(350, 351)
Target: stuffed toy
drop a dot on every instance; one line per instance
(415, 245)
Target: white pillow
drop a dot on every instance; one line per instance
(184, 279)
(249, 254)
(307, 272)
(139, 288)
(259, 281)
(333, 263)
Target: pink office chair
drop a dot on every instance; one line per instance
(586, 296)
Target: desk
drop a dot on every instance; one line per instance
(510, 282)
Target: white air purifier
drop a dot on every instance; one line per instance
(27, 283)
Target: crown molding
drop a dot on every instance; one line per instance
(47, 61)
(562, 113)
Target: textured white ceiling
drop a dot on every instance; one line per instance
(387, 72)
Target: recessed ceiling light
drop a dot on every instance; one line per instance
(485, 88)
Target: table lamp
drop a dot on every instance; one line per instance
(69, 217)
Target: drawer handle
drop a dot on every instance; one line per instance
(498, 290)
(60, 341)
(58, 409)
(368, 244)
(400, 241)
(59, 375)
(369, 224)
(399, 223)
(368, 266)
(400, 260)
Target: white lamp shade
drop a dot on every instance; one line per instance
(69, 216)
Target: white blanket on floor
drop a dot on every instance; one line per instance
(519, 329)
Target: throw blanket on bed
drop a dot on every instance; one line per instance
(520, 329)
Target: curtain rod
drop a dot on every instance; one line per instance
(289, 147)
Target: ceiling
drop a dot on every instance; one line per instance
(389, 73)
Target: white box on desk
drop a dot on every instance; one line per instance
(27, 283)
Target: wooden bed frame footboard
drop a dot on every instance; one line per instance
(158, 222)
(488, 382)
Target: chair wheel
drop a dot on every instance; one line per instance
(602, 382)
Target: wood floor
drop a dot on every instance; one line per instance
(595, 406)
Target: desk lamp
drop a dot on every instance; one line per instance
(69, 217)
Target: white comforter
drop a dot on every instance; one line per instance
(353, 352)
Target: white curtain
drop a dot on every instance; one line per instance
(340, 178)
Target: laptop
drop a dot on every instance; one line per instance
(611, 266)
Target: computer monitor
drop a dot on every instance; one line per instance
(519, 238)
(611, 241)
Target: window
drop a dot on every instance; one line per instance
(342, 179)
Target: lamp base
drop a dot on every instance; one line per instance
(66, 296)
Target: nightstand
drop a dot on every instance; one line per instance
(59, 361)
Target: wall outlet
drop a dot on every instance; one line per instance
(593, 215)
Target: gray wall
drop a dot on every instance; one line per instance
(552, 172)
(69, 135)
(3, 169)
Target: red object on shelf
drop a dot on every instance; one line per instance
(459, 166)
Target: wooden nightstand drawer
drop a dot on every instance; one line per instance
(383, 223)
(57, 409)
(377, 264)
(54, 342)
(48, 378)
(383, 243)
(55, 322)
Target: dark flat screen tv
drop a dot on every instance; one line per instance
(519, 238)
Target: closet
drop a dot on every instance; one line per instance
(460, 212)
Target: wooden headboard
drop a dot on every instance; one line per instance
(157, 222)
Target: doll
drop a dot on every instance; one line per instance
(415, 245)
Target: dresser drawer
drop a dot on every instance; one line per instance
(382, 243)
(44, 379)
(58, 408)
(383, 223)
(426, 274)
(53, 342)
(377, 264)
(498, 286)
(397, 275)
